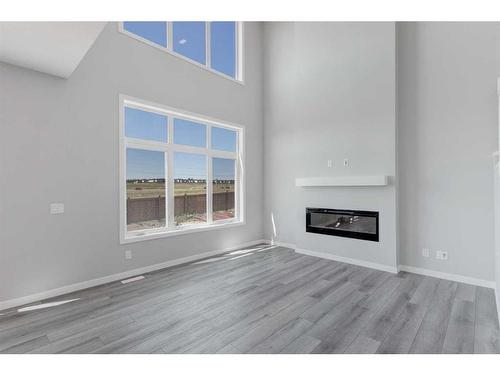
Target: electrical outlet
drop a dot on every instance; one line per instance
(329, 163)
(425, 252)
(441, 255)
(346, 162)
(128, 254)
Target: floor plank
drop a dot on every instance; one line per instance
(264, 299)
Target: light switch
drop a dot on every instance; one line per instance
(56, 208)
(329, 163)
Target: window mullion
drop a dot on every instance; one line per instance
(170, 36)
(167, 188)
(207, 44)
(209, 179)
(170, 174)
(239, 50)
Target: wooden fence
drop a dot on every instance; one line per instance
(144, 209)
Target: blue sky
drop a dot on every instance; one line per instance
(223, 139)
(189, 133)
(189, 40)
(145, 125)
(155, 32)
(145, 164)
(223, 47)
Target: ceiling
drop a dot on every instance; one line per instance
(55, 48)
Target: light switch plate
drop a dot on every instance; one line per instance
(128, 254)
(56, 208)
(441, 255)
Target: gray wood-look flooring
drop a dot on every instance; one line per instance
(262, 300)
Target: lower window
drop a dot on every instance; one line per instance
(146, 208)
(180, 172)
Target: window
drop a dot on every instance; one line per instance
(179, 172)
(213, 45)
(190, 40)
(155, 32)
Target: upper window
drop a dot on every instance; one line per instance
(179, 172)
(155, 32)
(214, 45)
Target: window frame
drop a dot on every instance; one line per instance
(169, 148)
(169, 49)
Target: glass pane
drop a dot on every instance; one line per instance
(190, 188)
(223, 139)
(223, 200)
(189, 133)
(155, 32)
(145, 189)
(345, 222)
(145, 125)
(223, 47)
(189, 40)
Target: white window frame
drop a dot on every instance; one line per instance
(169, 148)
(169, 49)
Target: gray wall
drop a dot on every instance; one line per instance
(447, 128)
(330, 94)
(59, 143)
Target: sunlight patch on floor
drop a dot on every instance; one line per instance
(239, 254)
(46, 305)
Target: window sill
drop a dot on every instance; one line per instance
(145, 236)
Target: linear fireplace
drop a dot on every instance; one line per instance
(362, 225)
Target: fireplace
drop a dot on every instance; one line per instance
(362, 225)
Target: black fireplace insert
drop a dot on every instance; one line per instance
(362, 225)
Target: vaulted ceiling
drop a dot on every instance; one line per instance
(55, 48)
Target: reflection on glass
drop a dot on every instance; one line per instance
(223, 188)
(145, 125)
(223, 47)
(145, 189)
(190, 188)
(189, 40)
(189, 133)
(223, 139)
(155, 32)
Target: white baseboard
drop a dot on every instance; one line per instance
(282, 244)
(357, 262)
(448, 276)
(116, 277)
(383, 267)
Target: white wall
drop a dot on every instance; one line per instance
(330, 94)
(447, 131)
(59, 143)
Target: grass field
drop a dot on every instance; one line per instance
(155, 189)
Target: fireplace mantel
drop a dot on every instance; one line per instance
(377, 180)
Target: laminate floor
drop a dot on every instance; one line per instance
(261, 300)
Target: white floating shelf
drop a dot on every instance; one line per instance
(379, 180)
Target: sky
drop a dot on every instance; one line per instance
(155, 32)
(189, 41)
(145, 164)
